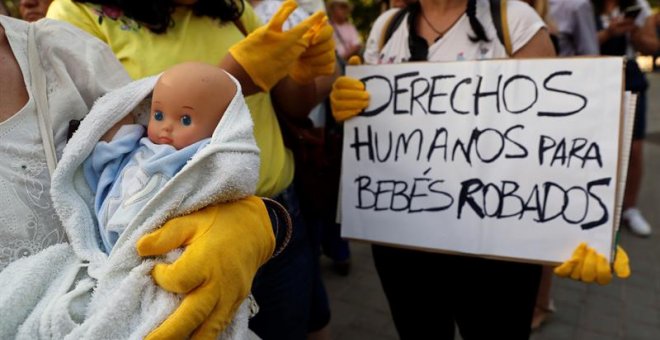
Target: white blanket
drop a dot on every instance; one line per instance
(75, 290)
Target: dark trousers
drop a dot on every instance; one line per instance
(288, 288)
(430, 293)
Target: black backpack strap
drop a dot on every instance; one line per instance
(497, 18)
(392, 24)
(241, 27)
(498, 13)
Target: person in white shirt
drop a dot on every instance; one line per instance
(626, 27)
(430, 294)
(79, 69)
(576, 27)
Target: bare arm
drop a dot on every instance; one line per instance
(540, 46)
(297, 100)
(618, 26)
(293, 99)
(14, 94)
(644, 38)
(230, 65)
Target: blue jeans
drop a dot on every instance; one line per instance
(288, 287)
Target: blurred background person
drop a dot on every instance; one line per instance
(347, 39)
(576, 27)
(265, 9)
(33, 10)
(625, 28)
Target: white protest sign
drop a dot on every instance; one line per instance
(506, 158)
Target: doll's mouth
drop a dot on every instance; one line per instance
(164, 140)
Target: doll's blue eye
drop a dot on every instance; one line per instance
(186, 120)
(158, 115)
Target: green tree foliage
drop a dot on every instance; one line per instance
(365, 13)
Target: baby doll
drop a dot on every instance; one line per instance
(126, 169)
(142, 176)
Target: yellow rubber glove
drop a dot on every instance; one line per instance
(319, 59)
(348, 96)
(587, 265)
(268, 54)
(225, 245)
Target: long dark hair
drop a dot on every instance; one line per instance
(157, 14)
(599, 5)
(475, 24)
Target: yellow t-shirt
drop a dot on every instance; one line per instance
(191, 38)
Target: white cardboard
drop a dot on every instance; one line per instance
(535, 98)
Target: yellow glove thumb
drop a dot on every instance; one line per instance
(279, 18)
(355, 60)
(621, 263)
(164, 240)
(179, 233)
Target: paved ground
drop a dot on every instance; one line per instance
(627, 309)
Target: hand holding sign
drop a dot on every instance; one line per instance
(588, 266)
(348, 96)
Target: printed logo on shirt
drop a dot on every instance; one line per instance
(483, 50)
(115, 14)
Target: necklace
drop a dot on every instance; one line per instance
(439, 33)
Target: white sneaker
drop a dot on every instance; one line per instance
(636, 222)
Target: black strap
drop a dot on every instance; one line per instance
(397, 19)
(496, 14)
(281, 223)
(241, 27)
(393, 24)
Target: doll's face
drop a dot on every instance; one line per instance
(187, 104)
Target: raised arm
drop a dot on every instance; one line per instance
(645, 39)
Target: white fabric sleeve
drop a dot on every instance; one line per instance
(524, 22)
(372, 48)
(89, 62)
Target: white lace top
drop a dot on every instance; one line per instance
(79, 68)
